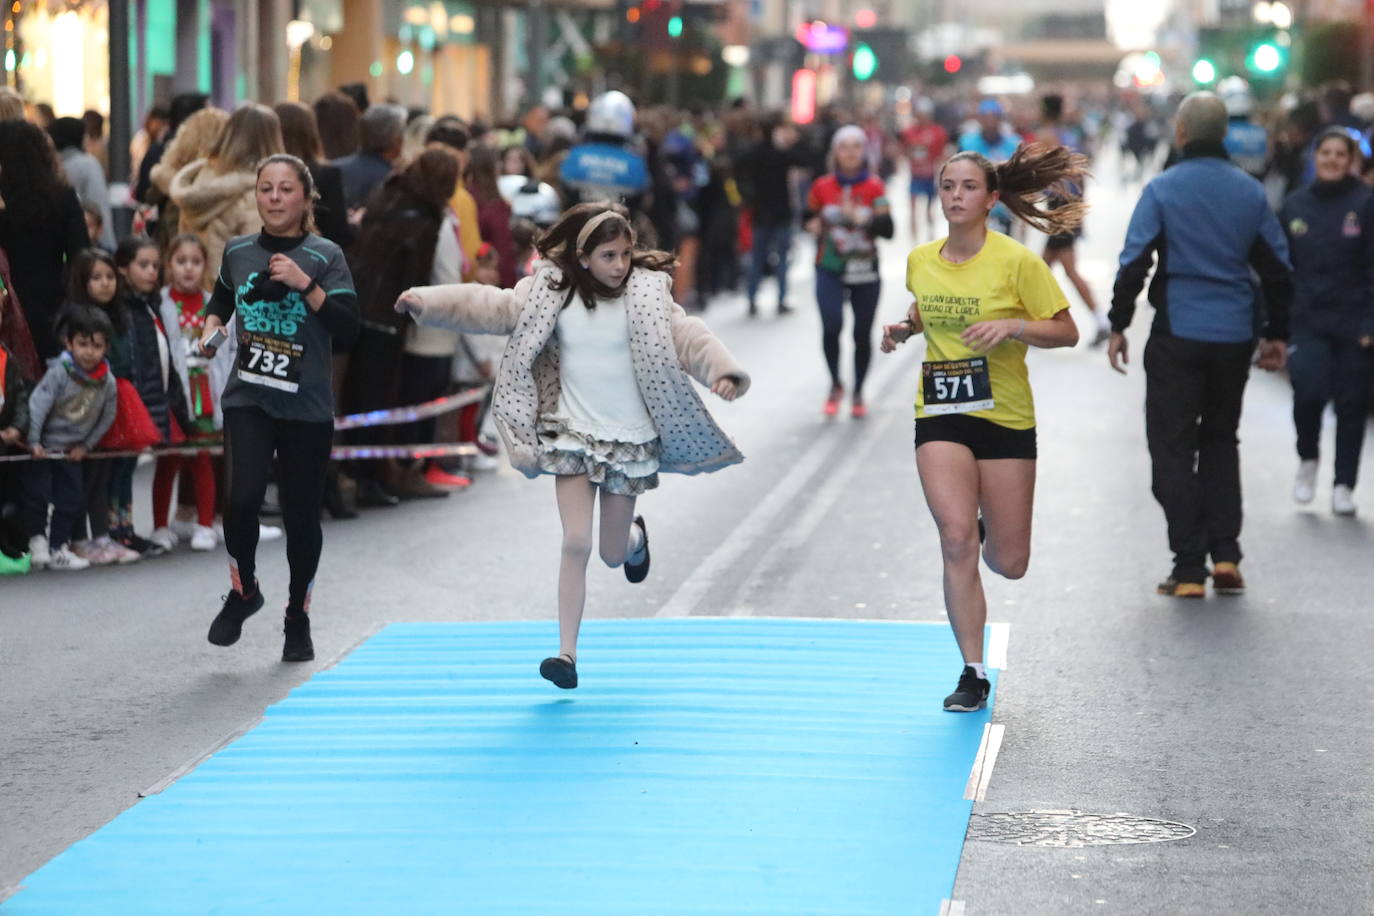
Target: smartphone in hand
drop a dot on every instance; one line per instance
(209, 345)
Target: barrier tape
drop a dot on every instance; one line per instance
(341, 453)
(389, 417)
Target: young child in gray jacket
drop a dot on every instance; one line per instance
(71, 409)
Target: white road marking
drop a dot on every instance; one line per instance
(981, 774)
(765, 515)
(951, 908)
(999, 634)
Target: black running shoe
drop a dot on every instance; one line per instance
(636, 572)
(561, 671)
(971, 695)
(137, 543)
(228, 623)
(298, 646)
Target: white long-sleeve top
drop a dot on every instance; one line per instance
(599, 395)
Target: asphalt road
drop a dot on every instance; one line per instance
(1248, 718)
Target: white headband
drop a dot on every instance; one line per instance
(848, 132)
(591, 225)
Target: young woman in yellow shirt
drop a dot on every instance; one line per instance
(982, 299)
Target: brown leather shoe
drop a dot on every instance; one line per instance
(1227, 580)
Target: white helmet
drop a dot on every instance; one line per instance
(537, 202)
(1236, 96)
(611, 113)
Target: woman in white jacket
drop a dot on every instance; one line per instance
(596, 392)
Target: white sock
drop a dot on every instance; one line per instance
(978, 669)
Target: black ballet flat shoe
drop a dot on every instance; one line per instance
(561, 671)
(637, 572)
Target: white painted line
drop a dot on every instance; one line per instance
(796, 536)
(999, 635)
(981, 774)
(951, 908)
(736, 543)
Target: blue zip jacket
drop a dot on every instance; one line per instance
(1210, 226)
(1330, 228)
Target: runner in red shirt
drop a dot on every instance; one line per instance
(926, 143)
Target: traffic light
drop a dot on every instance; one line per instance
(865, 63)
(675, 27)
(1265, 57)
(1204, 72)
(953, 64)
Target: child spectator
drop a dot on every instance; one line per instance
(142, 354)
(95, 223)
(183, 314)
(93, 283)
(14, 426)
(71, 409)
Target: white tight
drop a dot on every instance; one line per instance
(576, 500)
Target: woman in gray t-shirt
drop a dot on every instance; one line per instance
(292, 294)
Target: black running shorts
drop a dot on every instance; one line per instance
(986, 439)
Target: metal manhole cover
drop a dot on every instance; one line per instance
(1073, 829)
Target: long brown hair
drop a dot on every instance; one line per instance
(300, 133)
(559, 245)
(251, 135)
(1035, 174)
(307, 185)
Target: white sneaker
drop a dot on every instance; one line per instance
(265, 532)
(39, 555)
(183, 528)
(1342, 500)
(1305, 487)
(204, 538)
(93, 552)
(480, 463)
(165, 538)
(121, 554)
(63, 559)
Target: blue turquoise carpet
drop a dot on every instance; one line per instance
(704, 766)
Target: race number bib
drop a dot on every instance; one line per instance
(957, 386)
(270, 362)
(860, 270)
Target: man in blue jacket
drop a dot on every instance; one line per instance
(1210, 226)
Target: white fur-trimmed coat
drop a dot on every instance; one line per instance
(666, 347)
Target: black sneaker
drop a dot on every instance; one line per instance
(561, 671)
(138, 544)
(228, 623)
(298, 646)
(636, 572)
(971, 695)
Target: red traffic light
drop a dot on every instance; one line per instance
(953, 64)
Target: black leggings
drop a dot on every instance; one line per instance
(251, 437)
(863, 298)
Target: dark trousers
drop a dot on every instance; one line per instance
(56, 484)
(1331, 370)
(423, 378)
(1193, 394)
(251, 438)
(770, 238)
(863, 299)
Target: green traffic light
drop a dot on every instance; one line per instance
(1204, 71)
(865, 62)
(675, 27)
(1266, 58)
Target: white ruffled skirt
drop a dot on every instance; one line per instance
(622, 468)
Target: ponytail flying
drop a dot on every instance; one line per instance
(1034, 175)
